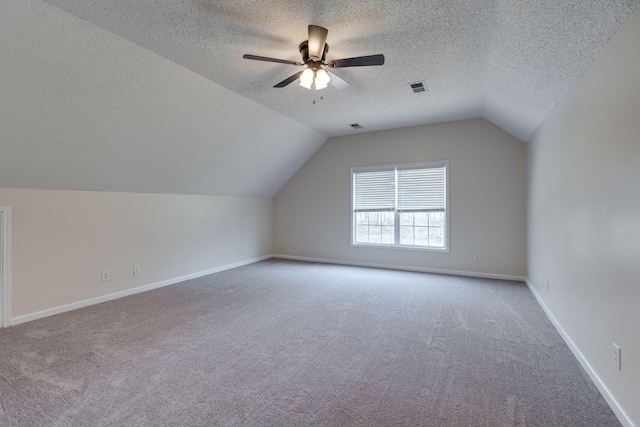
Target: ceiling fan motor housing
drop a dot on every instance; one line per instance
(304, 50)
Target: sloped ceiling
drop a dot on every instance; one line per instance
(508, 61)
(83, 109)
(154, 96)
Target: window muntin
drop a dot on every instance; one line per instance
(375, 227)
(401, 206)
(422, 229)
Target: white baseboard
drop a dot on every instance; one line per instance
(404, 268)
(613, 403)
(80, 304)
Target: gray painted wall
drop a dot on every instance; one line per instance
(584, 214)
(63, 240)
(487, 198)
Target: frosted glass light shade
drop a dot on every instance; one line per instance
(306, 79)
(322, 79)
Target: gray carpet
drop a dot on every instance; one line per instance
(284, 343)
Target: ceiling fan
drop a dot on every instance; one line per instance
(314, 53)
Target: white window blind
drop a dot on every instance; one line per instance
(422, 189)
(401, 205)
(375, 191)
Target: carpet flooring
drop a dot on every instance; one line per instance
(285, 343)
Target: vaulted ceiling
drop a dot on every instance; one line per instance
(154, 96)
(507, 61)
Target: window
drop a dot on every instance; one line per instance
(401, 206)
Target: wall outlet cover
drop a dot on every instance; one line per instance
(617, 356)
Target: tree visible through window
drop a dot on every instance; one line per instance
(401, 205)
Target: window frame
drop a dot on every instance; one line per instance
(396, 244)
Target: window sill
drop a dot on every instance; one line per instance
(403, 247)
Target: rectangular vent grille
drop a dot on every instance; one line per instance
(418, 87)
(355, 126)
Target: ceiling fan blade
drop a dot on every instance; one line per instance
(336, 81)
(360, 61)
(289, 80)
(317, 40)
(264, 58)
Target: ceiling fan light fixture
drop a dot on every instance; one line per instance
(322, 79)
(306, 79)
(313, 53)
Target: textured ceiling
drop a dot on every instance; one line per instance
(508, 61)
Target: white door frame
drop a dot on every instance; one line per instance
(5, 266)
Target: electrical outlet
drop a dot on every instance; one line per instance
(136, 270)
(548, 287)
(617, 356)
(105, 276)
(319, 247)
(476, 257)
(238, 250)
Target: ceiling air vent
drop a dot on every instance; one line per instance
(418, 87)
(356, 126)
